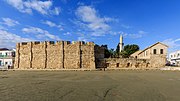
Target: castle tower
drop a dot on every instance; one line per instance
(121, 44)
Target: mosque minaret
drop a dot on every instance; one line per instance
(121, 44)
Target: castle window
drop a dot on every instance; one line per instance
(154, 51)
(117, 65)
(161, 51)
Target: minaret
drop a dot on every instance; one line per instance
(121, 44)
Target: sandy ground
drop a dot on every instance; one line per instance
(89, 86)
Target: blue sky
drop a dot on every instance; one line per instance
(142, 22)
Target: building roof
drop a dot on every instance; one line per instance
(152, 46)
(3, 49)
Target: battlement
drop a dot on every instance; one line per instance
(55, 43)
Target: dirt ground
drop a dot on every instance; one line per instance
(89, 86)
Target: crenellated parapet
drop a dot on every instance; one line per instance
(25, 44)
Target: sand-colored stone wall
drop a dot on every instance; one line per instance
(57, 55)
(158, 61)
(72, 56)
(54, 55)
(88, 56)
(155, 61)
(127, 63)
(38, 55)
(24, 55)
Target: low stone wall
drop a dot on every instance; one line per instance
(156, 61)
(127, 63)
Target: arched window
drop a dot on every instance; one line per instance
(161, 51)
(154, 51)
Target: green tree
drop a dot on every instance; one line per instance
(123, 54)
(128, 50)
(112, 52)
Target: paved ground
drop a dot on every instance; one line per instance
(89, 86)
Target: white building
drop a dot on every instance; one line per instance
(6, 57)
(174, 58)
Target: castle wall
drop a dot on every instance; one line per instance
(158, 61)
(55, 55)
(155, 61)
(38, 55)
(24, 55)
(88, 56)
(99, 57)
(72, 55)
(126, 63)
(17, 58)
(59, 55)
(99, 52)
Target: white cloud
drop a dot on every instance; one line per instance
(43, 7)
(52, 24)
(56, 11)
(174, 44)
(2, 28)
(9, 40)
(126, 26)
(40, 33)
(131, 35)
(88, 18)
(9, 22)
(67, 33)
(49, 23)
(82, 38)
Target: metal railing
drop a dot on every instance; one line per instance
(5, 56)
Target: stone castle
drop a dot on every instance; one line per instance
(59, 55)
(84, 56)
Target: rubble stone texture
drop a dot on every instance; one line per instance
(155, 61)
(127, 63)
(59, 55)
